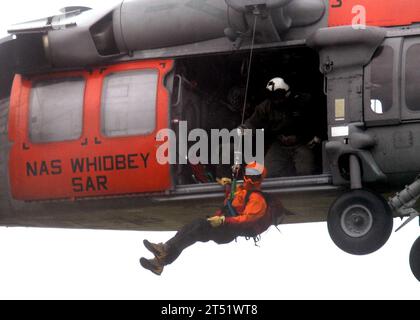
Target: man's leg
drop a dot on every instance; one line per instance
(166, 253)
(198, 230)
(304, 160)
(278, 161)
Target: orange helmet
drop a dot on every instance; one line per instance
(255, 169)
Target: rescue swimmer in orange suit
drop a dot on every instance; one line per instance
(253, 218)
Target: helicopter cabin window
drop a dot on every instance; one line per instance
(381, 88)
(56, 110)
(412, 78)
(129, 103)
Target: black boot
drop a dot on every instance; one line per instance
(152, 265)
(158, 250)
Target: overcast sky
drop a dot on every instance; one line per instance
(300, 262)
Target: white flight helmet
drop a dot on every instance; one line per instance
(277, 84)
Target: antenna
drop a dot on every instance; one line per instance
(70, 9)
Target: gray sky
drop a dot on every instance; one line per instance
(301, 262)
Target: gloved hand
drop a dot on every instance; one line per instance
(216, 221)
(224, 181)
(243, 130)
(314, 142)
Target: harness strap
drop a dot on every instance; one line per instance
(232, 211)
(257, 238)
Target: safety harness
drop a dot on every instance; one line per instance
(255, 230)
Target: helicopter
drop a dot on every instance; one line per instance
(84, 94)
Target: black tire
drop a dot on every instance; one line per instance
(360, 222)
(415, 259)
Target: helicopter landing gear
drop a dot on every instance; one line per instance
(415, 259)
(360, 222)
(402, 203)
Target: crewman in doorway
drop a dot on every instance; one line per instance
(288, 124)
(251, 217)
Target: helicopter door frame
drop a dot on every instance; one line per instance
(374, 113)
(410, 114)
(139, 170)
(88, 162)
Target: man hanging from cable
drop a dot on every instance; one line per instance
(250, 217)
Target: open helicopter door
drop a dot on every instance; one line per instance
(89, 134)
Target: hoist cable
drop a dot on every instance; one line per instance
(249, 68)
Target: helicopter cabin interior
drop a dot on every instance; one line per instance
(213, 91)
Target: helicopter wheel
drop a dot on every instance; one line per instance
(360, 222)
(415, 259)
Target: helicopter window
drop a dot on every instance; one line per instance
(129, 103)
(412, 78)
(382, 68)
(56, 110)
